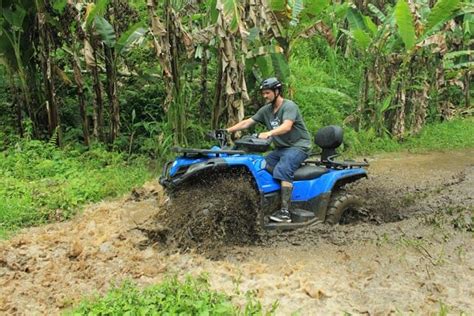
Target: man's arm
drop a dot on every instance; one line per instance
(241, 125)
(280, 130)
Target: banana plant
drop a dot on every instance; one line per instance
(12, 54)
(288, 22)
(393, 43)
(96, 23)
(301, 19)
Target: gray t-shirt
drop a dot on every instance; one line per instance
(298, 136)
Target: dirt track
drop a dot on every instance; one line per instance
(413, 252)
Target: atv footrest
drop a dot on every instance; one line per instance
(301, 216)
(290, 226)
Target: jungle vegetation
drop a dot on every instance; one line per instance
(140, 77)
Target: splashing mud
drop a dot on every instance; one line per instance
(217, 211)
(412, 251)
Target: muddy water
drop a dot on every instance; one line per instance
(412, 251)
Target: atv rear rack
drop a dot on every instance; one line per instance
(346, 163)
(331, 163)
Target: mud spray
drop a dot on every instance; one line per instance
(412, 252)
(212, 212)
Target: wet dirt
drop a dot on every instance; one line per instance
(412, 251)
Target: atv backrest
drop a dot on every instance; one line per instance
(329, 138)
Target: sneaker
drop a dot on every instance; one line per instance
(281, 216)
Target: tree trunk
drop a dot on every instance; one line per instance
(217, 110)
(174, 53)
(16, 103)
(98, 102)
(398, 123)
(46, 65)
(467, 89)
(26, 95)
(161, 44)
(112, 93)
(204, 91)
(365, 84)
(82, 98)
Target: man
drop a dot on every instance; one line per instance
(289, 135)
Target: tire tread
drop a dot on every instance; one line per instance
(340, 201)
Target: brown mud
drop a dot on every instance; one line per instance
(410, 250)
(210, 214)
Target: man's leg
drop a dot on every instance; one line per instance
(284, 171)
(272, 159)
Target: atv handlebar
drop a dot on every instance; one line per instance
(220, 135)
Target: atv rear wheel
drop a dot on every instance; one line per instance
(341, 203)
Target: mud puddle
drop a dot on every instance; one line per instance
(413, 254)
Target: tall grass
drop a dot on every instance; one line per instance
(40, 183)
(455, 134)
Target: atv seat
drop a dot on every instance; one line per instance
(308, 172)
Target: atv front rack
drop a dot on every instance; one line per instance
(193, 152)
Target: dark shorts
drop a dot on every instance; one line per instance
(284, 162)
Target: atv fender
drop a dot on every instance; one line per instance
(185, 169)
(193, 171)
(306, 190)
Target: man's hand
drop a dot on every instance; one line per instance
(265, 135)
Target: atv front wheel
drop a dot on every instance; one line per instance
(341, 203)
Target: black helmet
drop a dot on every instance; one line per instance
(271, 84)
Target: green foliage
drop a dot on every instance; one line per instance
(362, 39)
(324, 88)
(444, 136)
(316, 7)
(16, 17)
(459, 59)
(440, 13)
(404, 19)
(105, 30)
(356, 20)
(134, 33)
(59, 5)
(296, 9)
(231, 10)
(379, 14)
(172, 297)
(450, 135)
(278, 5)
(40, 183)
(98, 9)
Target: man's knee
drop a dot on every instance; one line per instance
(283, 172)
(288, 164)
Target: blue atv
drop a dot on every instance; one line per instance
(318, 187)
